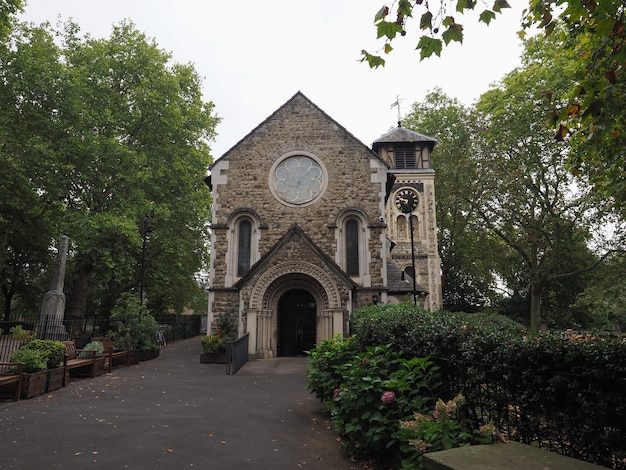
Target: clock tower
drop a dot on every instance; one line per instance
(413, 262)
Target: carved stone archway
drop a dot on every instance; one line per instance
(267, 291)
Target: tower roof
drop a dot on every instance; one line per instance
(402, 134)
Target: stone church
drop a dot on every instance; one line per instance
(309, 224)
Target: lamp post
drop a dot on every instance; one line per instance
(147, 229)
(209, 318)
(413, 258)
(407, 202)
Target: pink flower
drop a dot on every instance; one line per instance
(388, 397)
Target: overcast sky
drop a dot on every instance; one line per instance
(254, 55)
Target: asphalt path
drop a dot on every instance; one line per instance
(174, 413)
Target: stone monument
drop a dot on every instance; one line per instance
(53, 307)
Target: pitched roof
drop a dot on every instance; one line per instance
(295, 231)
(398, 283)
(402, 134)
(299, 94)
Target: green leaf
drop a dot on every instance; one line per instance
(487, 16)
(448, 21)
(453, 33)
(426, 21)
(388, 29)
(463, 5)
(499, 5)
(405, 8)
(374, 61)
(429, 46)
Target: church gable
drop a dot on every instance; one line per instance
(297, 109)
(295, 247)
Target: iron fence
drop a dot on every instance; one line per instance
(237, 354)
(172, 328)
(572, 414)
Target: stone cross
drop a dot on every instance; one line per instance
(53, 307)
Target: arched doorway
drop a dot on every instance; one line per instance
(296, 322)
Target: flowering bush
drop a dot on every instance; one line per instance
(212, 344)
(377, 389)
(441, 430)
(326, 363)
(388, 397)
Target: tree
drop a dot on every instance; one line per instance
(8, 8)
(603, 303)
(590, 108)
(467, 272)
(124, 133)
(525, 195)
(30, 206)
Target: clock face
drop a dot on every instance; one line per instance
(406, 200)
(298, 179)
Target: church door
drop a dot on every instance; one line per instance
(296, 323)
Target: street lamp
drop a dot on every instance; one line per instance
(407, 201)
(413, 258)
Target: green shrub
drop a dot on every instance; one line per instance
(327, 361)
(132, 325)
(53, 351)
(559, 378)
(378, 389)
(33, 360)
(19, 333)
(92, 346)
(225, 325)
(440, 430)
(212, 344)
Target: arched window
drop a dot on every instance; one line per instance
(244, 246)
(352, 236)
(352, 247)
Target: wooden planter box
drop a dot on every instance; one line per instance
(87, 371)
(55, 379)
(147, 354)
(34, 384)
(100, 360)
(134, 355)
(213, 358)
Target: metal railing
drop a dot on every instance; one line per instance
(573, 414)
(173, 327)
(237, 354)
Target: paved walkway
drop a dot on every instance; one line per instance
(175, 413)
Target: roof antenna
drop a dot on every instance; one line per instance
(397, 104)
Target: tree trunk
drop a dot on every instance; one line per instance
(78, 302)
(8, 299)
(535, 305)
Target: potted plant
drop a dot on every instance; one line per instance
(53, 351)
(98, 347)
(224, 329)
(146, 337)
(133, 328)
(213, 349)
(34, 372)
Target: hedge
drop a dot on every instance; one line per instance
(558, 389)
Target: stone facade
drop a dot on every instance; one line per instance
(291, 201)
